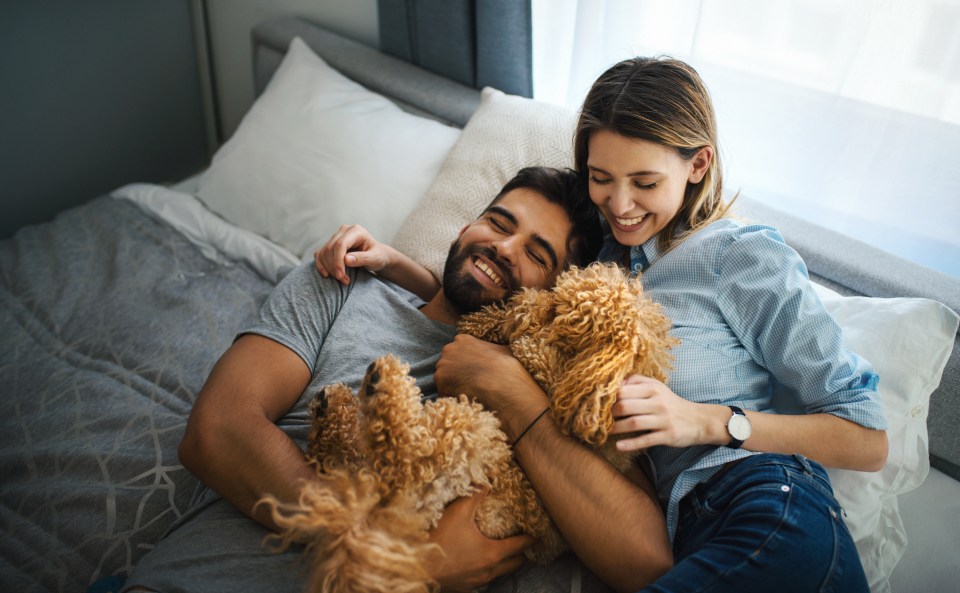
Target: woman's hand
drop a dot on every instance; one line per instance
(662, 417)
(351, 246)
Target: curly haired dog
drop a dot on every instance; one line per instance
(388, 464)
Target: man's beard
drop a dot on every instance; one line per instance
(462, 290)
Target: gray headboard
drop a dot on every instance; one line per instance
(835, 260)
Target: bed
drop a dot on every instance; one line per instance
(112, 314)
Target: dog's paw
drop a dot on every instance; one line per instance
(388, 378)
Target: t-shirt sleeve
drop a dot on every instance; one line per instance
(300, 312)
(767, 299)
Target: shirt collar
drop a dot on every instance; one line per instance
(628, 257)
(643, 256)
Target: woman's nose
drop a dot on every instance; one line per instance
(621, 200)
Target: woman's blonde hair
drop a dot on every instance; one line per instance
(664, 101)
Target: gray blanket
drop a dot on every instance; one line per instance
(110, 321)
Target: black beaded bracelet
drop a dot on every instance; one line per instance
(529, 426)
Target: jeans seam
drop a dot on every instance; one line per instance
(827, 584)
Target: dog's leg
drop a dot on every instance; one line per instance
(396, 428)
(335, 434)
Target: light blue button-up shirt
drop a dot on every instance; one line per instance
(748, 319)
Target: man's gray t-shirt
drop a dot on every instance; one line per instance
(337, 331)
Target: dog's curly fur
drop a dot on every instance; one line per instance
(387, 465)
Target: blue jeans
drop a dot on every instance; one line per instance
(768, 523)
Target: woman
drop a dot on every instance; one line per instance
(747, 507)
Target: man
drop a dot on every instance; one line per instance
(245, 435)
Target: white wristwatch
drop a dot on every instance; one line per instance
(738, 427)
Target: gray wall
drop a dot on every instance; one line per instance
(230, 22)
(96, 93)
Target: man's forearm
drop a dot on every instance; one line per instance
(232, 442)
(616, 528)
(244, 461)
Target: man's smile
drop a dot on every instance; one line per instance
(487, 269)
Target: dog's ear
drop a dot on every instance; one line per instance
(583, 396)
(541, 359)
(484, 324)
(523, 313)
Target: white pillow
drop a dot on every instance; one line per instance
(505, 134)
(317, 150)
(908, 341)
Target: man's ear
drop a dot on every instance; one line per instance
(700, 164)
(463, 230)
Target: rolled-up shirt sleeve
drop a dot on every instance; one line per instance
(767, 299)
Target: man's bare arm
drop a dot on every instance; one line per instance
(232, 442)
(615, 526)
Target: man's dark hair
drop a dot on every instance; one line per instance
(569, 191)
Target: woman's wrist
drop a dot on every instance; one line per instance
(714, 425)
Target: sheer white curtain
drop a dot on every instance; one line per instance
(845, 112)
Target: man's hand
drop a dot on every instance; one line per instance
(489, 374)
(469, 559)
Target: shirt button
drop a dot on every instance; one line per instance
(917, 411)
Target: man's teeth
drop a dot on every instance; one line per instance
(631, 221)
(489, 272)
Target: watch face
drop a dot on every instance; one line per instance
(739, 427)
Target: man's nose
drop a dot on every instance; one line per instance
(508, 248)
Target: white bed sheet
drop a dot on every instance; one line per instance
(218, 239)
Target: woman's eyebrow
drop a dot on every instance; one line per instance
(634, 174)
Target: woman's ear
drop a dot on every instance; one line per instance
(700, 164)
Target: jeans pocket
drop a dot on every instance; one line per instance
(717, 503)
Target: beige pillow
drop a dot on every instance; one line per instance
(505, 134)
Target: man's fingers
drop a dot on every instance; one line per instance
(508, 565)
(515, 545)
(473, 501)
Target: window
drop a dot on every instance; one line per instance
(844, 113)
